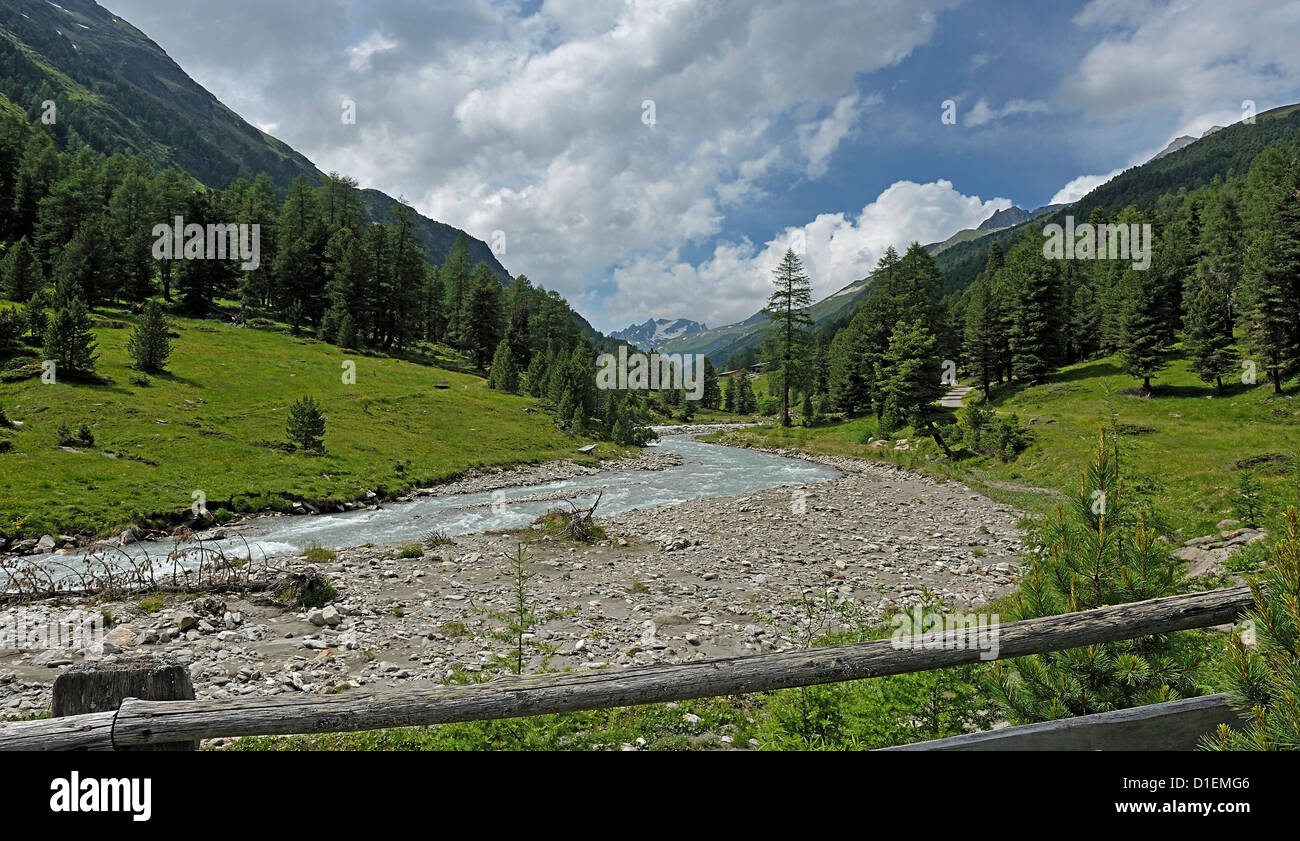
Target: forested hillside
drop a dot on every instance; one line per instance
(117, 92)
(1223, 282)
(1225, 154)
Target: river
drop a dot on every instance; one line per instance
(706, 470)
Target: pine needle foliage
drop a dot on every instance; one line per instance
(1264, 660)
(1097, 549)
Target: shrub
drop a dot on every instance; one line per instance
(83, 436)
(435, 538)
(986, 433)
(412, 551)
(305, 588)
(1247, 501)
(317, 554)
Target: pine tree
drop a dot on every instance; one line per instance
(787, 310)
(149, 344)
(1271, 284)
(746, 402)
(409, 271)
(1036, 311)
(1098, 549)
(851, 382)
(35, 319)
(20, 273)
(1144, 342)
(536, 376)
(347, 333)
(729, 395)
(1264, 669)
(455, 274)
(306, 425)
(1208, 323)
(982, 334)
(504, 375)
(910, 381)
(69, 340)
(480, 320)
(711, 395)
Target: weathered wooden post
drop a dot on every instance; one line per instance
(103, 688)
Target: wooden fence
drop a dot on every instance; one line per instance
(138, 723)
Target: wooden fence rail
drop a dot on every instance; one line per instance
(1172, 725)
(139, 722)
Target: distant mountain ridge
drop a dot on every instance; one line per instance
(656, 331)
(1182, 142)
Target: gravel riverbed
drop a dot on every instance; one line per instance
(704, 579)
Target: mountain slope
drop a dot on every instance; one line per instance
(1219, 152)
(118, 92)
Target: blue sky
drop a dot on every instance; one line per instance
(776, 122)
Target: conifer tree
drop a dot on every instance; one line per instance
(69, 340)
(455, 274)
(729, 395)
(480, 321)
(1036, 312)
(1271, 284)
(909, 379)
(982, 333)
(149, 344)
(504, 375)
(711, 395)
(1098, 549)
(1144, 341)
(20, 272)
(746, 402)
(347, 333)
(1264, 668)
(1208, 323)
(35, 319)
(852, 380)
(787, 311)
(306, 425)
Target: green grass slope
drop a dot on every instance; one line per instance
(1183, 448)
(214, 422)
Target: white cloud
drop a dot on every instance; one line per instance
(837, 249)
(359, 54)
(981, 112)
(818, 140)
(1079, 187)
(532, 125)
(1186, 56)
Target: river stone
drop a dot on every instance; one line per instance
(122, 635)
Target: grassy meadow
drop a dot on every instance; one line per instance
(216, 423)
(1182, 448)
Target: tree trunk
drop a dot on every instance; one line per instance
(938, 439)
